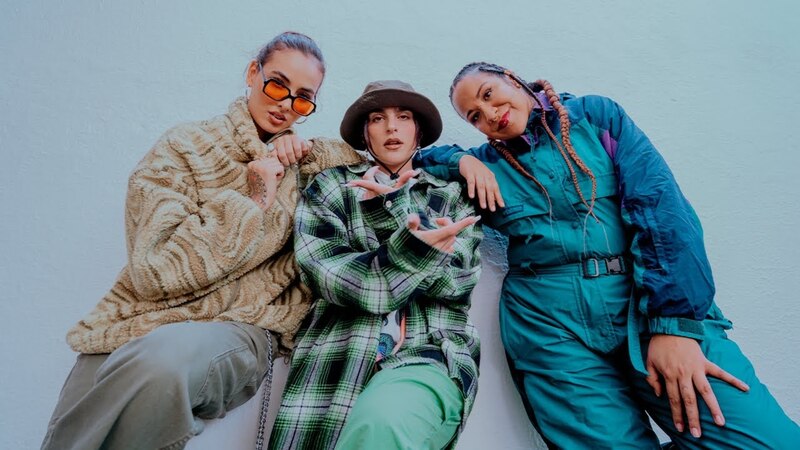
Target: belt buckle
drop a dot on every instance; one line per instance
(616, 265)
(591, 262)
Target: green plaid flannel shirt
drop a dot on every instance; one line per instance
(361, 262)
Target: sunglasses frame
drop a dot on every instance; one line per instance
(294, 98)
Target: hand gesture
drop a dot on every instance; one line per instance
(684, 368)
(289, 148)
(374, 189)
(481, 180)
(263, 177)
(443, 238)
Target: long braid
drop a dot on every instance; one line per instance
(555, 102)
(563, 116)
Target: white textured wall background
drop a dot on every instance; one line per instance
(86, 87)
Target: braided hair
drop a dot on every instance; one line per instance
(564, 145)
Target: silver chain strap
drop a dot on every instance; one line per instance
(267, 386)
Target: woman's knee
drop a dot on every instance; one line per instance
(173, 354)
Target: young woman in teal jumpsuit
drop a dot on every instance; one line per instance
(603, 246)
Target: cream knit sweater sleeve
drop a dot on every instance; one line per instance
(326, 153)
(180, 243)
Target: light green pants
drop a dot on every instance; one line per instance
(413, 407)
(148, 393)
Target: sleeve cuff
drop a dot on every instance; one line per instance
(412, 254)
(677, 326)
(452, 165)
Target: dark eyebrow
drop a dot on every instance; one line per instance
(477, 96)
(282, 76)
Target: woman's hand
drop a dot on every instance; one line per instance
(481, 180)
(684, 368)
(443, 238)
(374, 189)
(289, 148)
(263, 177)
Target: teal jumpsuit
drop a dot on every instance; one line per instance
(579, 286)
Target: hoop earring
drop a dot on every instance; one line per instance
(305, 118)
(247, 91)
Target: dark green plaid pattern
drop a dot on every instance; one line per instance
(360, 260)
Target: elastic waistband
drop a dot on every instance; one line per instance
(588, 268)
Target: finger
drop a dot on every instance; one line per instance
(450, 245)
(450, 231)
(434, 238)
(443, 221)
(404, 177)
(306, 147)
(717, 372)
(652, 379)
(498, 197)
(280, 152)
(471, 186)
(372, 186)
(288, 149)
(461, 224)
(413, 222)
(704, 388)
(297, 147)
(490, 199)
(480, 187)
(446, 244)
(277, 153)
(370, 173)
(690, 406)
(675, 404)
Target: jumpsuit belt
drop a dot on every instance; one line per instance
(593, 268)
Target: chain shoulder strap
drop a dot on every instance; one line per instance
(266, 385)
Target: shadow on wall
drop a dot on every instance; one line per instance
(497, 421)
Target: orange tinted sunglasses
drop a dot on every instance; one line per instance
(276, 90)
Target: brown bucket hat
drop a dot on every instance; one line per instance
(380, 94)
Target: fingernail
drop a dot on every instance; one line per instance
(695, 432)
(477, 218)
(679, 427)
(719, 420)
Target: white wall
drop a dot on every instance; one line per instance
(86, 88)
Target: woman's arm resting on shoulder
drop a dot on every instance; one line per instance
(452, 163)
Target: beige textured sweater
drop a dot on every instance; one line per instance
(198, 247)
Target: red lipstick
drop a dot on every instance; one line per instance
(503, 121)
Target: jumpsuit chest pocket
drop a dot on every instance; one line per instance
(606, 187)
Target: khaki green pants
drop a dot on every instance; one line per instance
(416, 407)
(149, 393)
